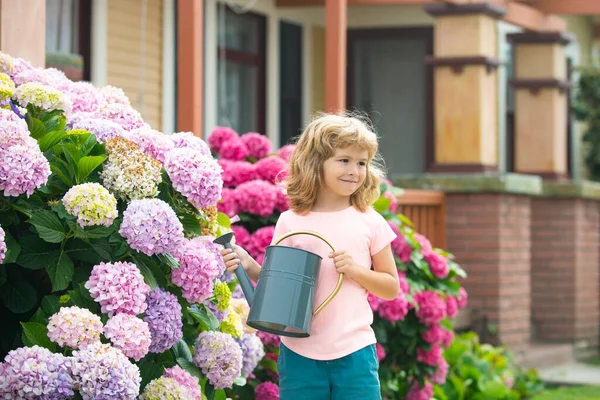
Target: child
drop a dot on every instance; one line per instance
(332, 181)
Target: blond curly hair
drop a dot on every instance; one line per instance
(323, 135)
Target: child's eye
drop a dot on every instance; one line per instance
(344, 160)
(362, 163)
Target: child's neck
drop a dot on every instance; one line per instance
(326, 203)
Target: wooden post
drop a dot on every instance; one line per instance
(335, 55)
(23, 30)
(189, 65)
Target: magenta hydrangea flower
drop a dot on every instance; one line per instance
(418, 392)
(228, 203)
(374, 302)
(220, 135)
(111, 95)
(399, 245)
(119, 288)
(269, 338)
(253, 351)
(103, 129)
(451, 306)
(195, 176)
(424, 243)
(258, 145)
(122, 114)
(29, 373)
(430, 357)
(462, 298)
(219, 357)
(183, 140)
(282, 202)
(234, 149)
(152, 142)
(393, 201)
(198, 268)
(266, 391)
(448, 337)
(84, 96)
(272, 169)
(104, 372)
(380, 351)
(394, 310)
(163, 317)
(151, 226)
(441, 373)
(432, 307)
(438, 264)
(260, 240)
(286, 151)
(237, 172)
(404, 286)
(434, 335)
(23, 169)
(186, 380)
(2, 245)
(129, 334)
(242, 237)
(257, 197)
(74, 327)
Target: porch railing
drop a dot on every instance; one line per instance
(427, 210)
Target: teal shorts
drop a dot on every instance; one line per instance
(354, 376)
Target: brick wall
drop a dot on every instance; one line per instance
(490, 236)
(565, 236)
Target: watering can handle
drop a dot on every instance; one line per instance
(340, 279)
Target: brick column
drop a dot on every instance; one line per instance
(23, 30)
(490, 236)
(466, 132)
(565, 270)
(541, 90)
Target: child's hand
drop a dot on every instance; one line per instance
(236, 256)
(344, 263)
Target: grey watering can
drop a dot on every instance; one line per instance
(282, 302)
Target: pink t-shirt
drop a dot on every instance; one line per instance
(344, 325)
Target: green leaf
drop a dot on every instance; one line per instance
(220, 394)
(35, 253)
(190, 224)
(82, 251)
(182, 350)
(149, 370)
(12, 249)
(62, 175)
(48, 226)
(2, 275)
(40, 317)
(190, 368)
(240, 381)
(86, 165)
(18, 295)
(223, 220)
(382, 204)
(80, 297)
(50, 139)
(50, 304)
(168, 260)
(459, 387)
(146, 272)
(36, 128)
(405, 220)
(37, 334)
(494, 390)
(61, 272)
(92, 232)
(55, 123)
(201, 314)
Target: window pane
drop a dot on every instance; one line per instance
(240, 107)
(290, 81)
(61, 26)
(241, 33)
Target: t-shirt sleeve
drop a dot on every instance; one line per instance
(381, 233)
(280, 230)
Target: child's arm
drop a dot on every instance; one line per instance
(233, 258)
(382, 281)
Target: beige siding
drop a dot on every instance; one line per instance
(125, 66)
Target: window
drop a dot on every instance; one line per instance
(510, 109)
(241, 71)
(290, 81)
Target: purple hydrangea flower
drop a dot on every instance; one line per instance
(253, 351)
(35, 373)
(195, 176)
(221, 315)
(219, 357)
(163, 317)
(104, 372)
(119, 288)
(23, 169)
(103, 129)
(151, 227)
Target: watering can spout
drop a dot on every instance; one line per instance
(240, 272)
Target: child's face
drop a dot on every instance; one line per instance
(345, 171)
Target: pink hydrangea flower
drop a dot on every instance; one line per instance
(124, 115)
(234, 149)
(260, 240)
(438, 264)
(74, 327)
(380, 352)
(258, 145)
(375, 302)
(447, 339)
(242, 237)
(434, 335)
(430, 357)
(103, 129)
(423, 242)
(286, 151)
(399, 245)
(195, 176)
(451, 306)
(462, 298)
(152, 142)
(119, 288)
(417, 392)
(394, 201)
(183, 140)
(260, 258)
(441, 373)
(198, 268)
(272, 169)
(23, 169)
(186, 380)
(257, 197)
(220, 135)
(432, 307)
(111, 94)
(237, 172)
(266, 391)
(84, 96)
(129, 334)
(404, 287)
(394, 310)
(228, 202)
(2, 245)
(281, 203)
(269, 338)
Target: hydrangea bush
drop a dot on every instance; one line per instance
(109, 280)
